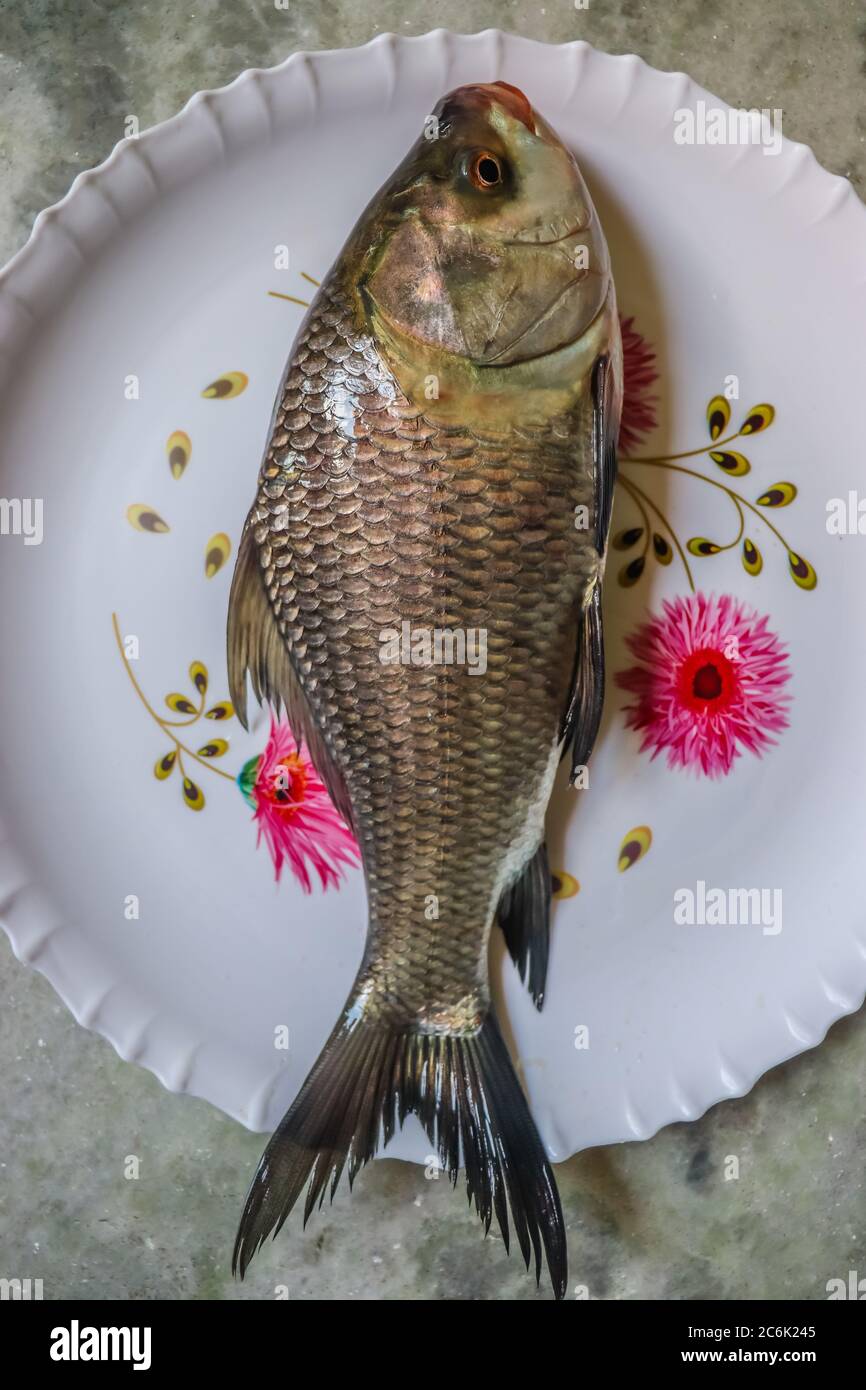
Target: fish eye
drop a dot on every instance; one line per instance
(486, 170)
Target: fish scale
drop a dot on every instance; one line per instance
(448, 772)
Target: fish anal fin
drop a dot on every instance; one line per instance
(524, 916)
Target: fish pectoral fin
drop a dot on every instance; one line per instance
(524, 916)
(256, 645)
(465, 1092)
(605, 433)
(583, 716)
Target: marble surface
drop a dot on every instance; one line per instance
(656, 1220)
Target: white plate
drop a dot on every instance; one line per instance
(158, 266)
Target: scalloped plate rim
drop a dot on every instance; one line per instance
(73, 990)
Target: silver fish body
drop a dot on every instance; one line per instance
(419, 582)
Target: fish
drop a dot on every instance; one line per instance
(419, 586)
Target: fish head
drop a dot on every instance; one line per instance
(487, 245)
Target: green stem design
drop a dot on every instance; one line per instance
(739, 536)
(689, 453)
(635, 492)
(722, 487)
(184, 723)
(636, 498)
(293, 299)
(165, 724)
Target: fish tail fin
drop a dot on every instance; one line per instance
(465, 1092)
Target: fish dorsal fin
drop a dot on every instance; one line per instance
(255, 645)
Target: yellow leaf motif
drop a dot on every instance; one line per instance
(214, 749)
(198, 676)
(760, 417)
(801, 571)
(178, 447)
(179, 703)
(718, 416)
(699, 545)
(217, 551)
(144, 518)
(779, 495)
(223, 710)
(192, 795)
(624, 540)
(661, 549)
(631, 573)
(165, 765)
(226, 386)
(734, 464)
(635, 845)
(563, 885)
(752, 560)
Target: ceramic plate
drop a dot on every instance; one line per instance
(709, 920)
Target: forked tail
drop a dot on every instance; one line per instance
(464, 1091)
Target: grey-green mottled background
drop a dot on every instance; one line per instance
(653, 1220)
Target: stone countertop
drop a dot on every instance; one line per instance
(654, 1220)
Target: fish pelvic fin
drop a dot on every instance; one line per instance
(256, 646)
(465, 1092)
(587, 702)
(524, 916)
